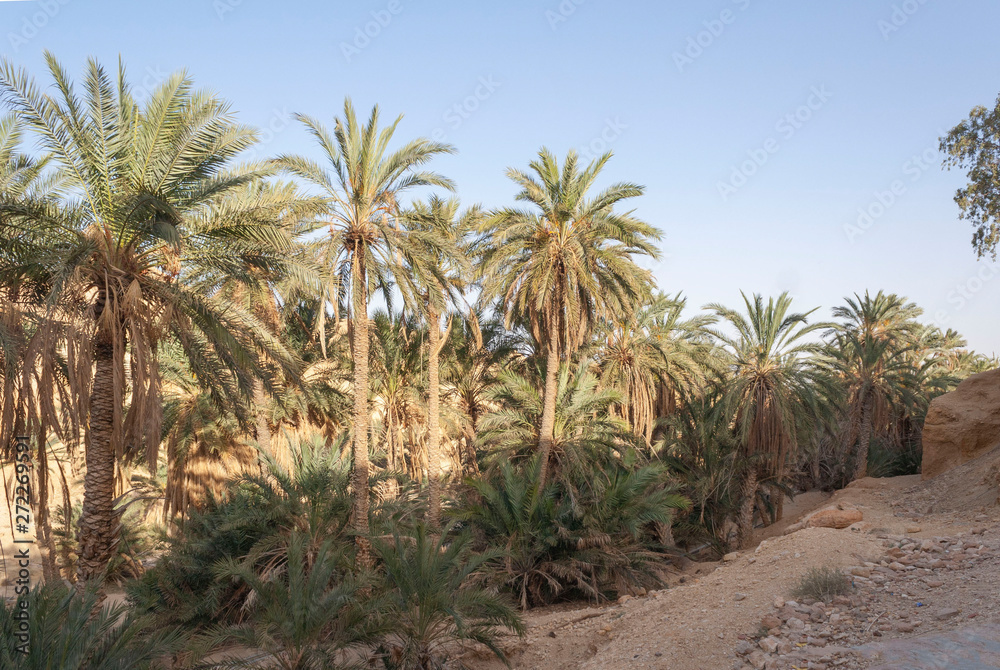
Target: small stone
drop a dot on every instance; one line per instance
(770, 621)
(913, 529)
(730, 557)
(946, 613)
(769, 644)
(904, 627)
(740, 596)
(758, 660)
(794, 623)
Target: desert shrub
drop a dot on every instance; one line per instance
(823, 584)
(433, 597)
(68, 631)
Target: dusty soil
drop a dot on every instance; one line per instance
(716, 610)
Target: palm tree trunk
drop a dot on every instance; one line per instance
(547, 430)
(359, 445)
(744, 522)
(98, 520)
(433, 422)
(263, 427)
(864, 438)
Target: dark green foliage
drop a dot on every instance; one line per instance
(301, 615)
(254, 523)
(68, 632)
(592, 540)
(434, 596)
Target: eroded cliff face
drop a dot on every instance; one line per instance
(963, 424)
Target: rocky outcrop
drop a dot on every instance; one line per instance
(963, 424)
(841, 515)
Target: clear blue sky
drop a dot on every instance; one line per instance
(872, 88)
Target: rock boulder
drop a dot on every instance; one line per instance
(963, 424)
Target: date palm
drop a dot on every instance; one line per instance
(480, 349)
(772, 382)
(363, 183)
(873, 343)
(565, 263)
(438, 269)
(156, 215)
(654, 354)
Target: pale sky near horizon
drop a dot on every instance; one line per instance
(763, 131)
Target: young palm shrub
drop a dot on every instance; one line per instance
(303, 616)
(255, 523)
(700, 451)
(434, 600)
(585, 433)
(67, 630)
(593, 540)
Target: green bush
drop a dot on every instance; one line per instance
(433, 597)
(592, 539)
(254, 524)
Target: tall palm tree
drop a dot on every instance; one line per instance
(772, 381)
(158, 214)
(878, 377)
(566, 263)
(439, 268)
(872, 345)
(882, 316)
(652, 355)
(363, 183)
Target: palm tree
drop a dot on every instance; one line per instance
(479, 349)
(363, 187)
(438, 268)
(772, 382)
(878, 377)
(71, 630)
(872, 347)
(434, 598)
(565, 265)
(884, 316)
(303, 617)
(652, 357)
(158, 215)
